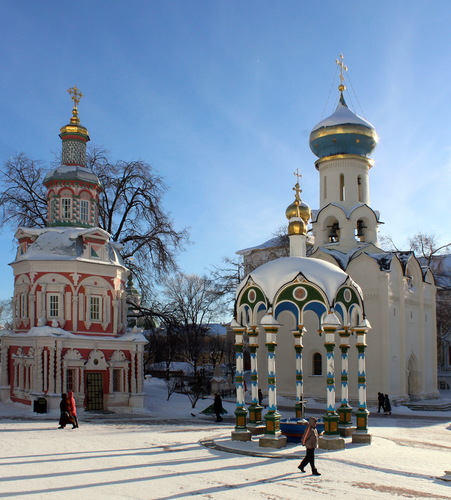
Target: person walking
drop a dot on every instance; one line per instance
(72, 408)
(64, 412)
(217, 407)
(380, 402)
(310, 441)
(260, 397)
(387, 405)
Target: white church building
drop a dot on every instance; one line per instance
(391, 294)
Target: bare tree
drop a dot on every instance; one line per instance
(6, 311)
(23, 197)
(426, 246)
(195, 301)
(130, 209)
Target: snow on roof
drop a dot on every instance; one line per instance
(276, 273)
(383, 259)
(347, 210)
(50, 331)
(273, 242)
(72, 172)
(342, 116)
(341, 258)
(53, 243)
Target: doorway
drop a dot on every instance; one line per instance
(94, 391)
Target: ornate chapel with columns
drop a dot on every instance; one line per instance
(70, 314)
(346, 322)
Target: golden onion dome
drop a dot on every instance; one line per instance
(297, 226)
(293, 210)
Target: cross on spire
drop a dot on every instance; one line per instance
(75, 95)
(296, 188)
(343, 68)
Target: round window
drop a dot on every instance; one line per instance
(300, 293)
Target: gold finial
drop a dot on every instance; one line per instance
(76, 96)
(297, 188)
(343, 68)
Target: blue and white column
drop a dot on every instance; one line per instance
(362, 435)
(298, 347)
(241, 432)
(255, 424)
(331, 439)
(273, 437)
(345, 410)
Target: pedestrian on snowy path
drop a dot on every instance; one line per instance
(65, 417)
(387, 405)
(310, 441)
(72, 407)
(380, 402)
(217, 407)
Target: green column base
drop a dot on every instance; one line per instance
(331, 425)
(344, 413)
(272, 419)
(255, 414)
(362, 419)
(240, 418)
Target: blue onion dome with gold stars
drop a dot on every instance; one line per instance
(343, 133)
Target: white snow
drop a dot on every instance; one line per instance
(158, 455)
(342, 116)
(51, 331)
(276, 273)
(272, 243)
(54, 243)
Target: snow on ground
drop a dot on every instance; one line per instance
(157, 455)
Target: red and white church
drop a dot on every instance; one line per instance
(69, 330)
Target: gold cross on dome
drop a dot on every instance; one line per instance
(343, 68)
(296, 187)
(75, 95)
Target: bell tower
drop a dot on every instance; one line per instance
(343, 143)
(73, 188)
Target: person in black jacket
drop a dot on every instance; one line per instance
(64, 412)
(387, 405)
(217, 407)
(380, 402)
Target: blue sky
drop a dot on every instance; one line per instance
(220, 97)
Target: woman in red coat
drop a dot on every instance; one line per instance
(72, 408)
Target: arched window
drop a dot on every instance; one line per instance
(325, 187)
(342, 187)
(317, 364)
(360, 187)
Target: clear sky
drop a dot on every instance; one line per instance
(220, 97)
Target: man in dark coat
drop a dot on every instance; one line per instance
(217, 407)
(380, 402)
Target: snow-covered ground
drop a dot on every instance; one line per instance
(158, 455)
